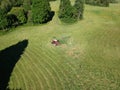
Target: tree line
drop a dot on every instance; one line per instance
(18, 12)
(104, 3)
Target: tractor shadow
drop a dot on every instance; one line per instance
(8, 58)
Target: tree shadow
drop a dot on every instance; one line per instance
(51, 14)
(8, 58)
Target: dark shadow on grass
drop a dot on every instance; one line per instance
(8, 58)
(51, 14)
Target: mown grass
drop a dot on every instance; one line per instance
(87, 59)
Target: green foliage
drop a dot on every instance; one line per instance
(113, 1)
(98, 2)
(17, 2)
(0, 1)
(52, 0)
(27, 5)
(7, 20)
(19, 13)
(6, 5)
(3, 20)
(66, 11)
(3, 23)
(79, 5)
(40, 11)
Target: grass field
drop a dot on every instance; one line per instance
(87, 59)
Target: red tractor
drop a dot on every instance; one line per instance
(55, 42)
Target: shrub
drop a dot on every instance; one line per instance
(19, 13)
(40, 11)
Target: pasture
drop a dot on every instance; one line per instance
(87, 59)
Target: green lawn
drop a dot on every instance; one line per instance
(87, 59)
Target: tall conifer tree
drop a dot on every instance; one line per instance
(27, 5)
(79, 5)
(66, 11)
(40, 11)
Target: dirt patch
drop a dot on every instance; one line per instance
(74, 52)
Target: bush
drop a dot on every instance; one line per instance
(19, 13)
(40, 11)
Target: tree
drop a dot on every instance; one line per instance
(3, 20)
(79, 5)
(16, 3)
(113, 1)
(27, 5)
(40, 11)
(66, 11)
(19, 13)
(6, 5)
(52, 0)
(105, 3)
